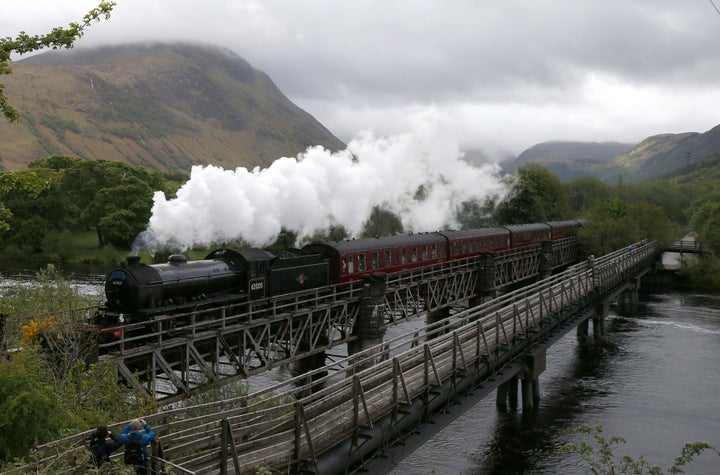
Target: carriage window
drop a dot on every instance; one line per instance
(361, 262)
(414, 254)
(388, 258)
(433, 251)
(403, 256)
(456, 248)
(375, 260)
(350, 265)
(424, 253)
(464, 246)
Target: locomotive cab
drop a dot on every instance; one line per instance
(269, 274)
(253, 264)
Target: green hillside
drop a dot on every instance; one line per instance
(161, 106)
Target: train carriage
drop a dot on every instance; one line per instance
(522, 235)
(471, 242)
(564, 229)
(351, 259)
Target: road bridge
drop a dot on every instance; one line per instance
(374, 405)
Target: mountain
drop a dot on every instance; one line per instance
(662, 154)
(705, 171)
(654, 157)
(569, 160)
(162, 106)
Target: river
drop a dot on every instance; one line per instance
(653, 380)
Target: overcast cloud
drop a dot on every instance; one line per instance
(503, 74)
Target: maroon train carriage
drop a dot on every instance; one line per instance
(351, 259)
(564, 229)
(471, 242)
(522, 235)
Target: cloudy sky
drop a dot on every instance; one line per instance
(502, 75)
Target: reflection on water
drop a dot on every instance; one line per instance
(652, 380)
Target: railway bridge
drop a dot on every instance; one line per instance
(374, 405)
(173, 356)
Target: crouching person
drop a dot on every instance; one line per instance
(136, 436)
(102, 444)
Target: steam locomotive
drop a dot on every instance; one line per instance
(138, 292)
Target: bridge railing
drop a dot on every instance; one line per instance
(292, 424)
(295, 421)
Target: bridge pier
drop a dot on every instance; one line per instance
(485, 285)
(583, 328)
(534, 364)
(436, 316)
(628, 299)
(369, 326)
(546, 260)
(306, 365)
(600, 314)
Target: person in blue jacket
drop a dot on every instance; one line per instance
(136, 443)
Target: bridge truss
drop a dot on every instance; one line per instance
(173, 356)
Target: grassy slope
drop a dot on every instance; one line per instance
(165, 107)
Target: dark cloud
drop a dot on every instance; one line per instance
(509, 73)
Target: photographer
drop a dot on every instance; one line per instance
(136, 443)
(102, 443)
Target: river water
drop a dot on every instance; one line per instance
(653, 380)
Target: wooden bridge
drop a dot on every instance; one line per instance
(340, 417)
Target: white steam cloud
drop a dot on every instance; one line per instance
(320, 188)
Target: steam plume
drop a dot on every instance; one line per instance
(319, 188)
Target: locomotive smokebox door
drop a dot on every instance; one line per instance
(256, 288)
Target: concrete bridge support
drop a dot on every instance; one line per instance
(628, 299)
(437, 315)
(546, 260)
(369, 326)
(601, 312)
(599, 326)
(534, 364)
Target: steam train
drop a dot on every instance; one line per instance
(138, 292)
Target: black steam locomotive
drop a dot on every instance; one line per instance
(137, 292)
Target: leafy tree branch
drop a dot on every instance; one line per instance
(58, 38)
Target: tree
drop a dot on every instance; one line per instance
(57, 38)
(705, 218)
(46, 388)
(599, 458)
(614, 223)
(382, 223)
(536, 195)
(33, 208)
(674, 198)
(583, 193)
(113, 198)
